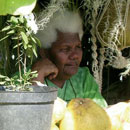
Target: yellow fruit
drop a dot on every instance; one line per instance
(126, 126)
(85, 114)
(125, 117)
(58, 110)
(120, 115)
(116, 123)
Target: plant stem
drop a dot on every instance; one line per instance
(18, 50)
(25, 61)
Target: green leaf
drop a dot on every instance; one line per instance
(19, 80)
(14, 20)
(25, 46)
(2, 83)
(24, 37)
(16, 7)
(29, 53)
(2, 76)
(7, 79)
(33, 72)
(6, 28)
(15, 77)
(38, 41)
(4, 38)
(29, 46)
(21, 19)
(17, 45)
(11, 32)
(14, 38)
(33, 39)
(34, 49)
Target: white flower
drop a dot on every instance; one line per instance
(31, 22)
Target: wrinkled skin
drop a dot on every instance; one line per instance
(62, 60)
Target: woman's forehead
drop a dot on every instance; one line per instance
(67, 37)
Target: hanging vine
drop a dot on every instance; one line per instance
(92, 14)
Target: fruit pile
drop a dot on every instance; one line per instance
(85, 114)
(120, 116)
(80, 114)
(58, 113)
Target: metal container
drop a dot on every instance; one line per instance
(27, 110)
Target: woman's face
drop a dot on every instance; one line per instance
(66, 54)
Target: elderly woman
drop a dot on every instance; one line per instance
(61, 56)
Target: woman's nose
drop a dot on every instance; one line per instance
(74, 54)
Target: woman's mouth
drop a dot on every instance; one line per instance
(73, 64)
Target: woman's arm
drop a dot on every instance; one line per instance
(45, 68)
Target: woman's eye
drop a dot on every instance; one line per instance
(65, 49)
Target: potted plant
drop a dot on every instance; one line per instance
(22, 106)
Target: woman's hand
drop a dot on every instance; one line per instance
(45, 68)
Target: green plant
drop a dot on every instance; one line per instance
(18, 44)
(22, 50)
(18, 84)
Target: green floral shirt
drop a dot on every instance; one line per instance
(81, 85)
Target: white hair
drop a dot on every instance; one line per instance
(64, 21)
